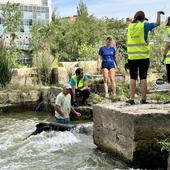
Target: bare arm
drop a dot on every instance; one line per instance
(85, 85)
(74, 94)
(75, 112)
(167, 48)
(98, 62)
(117, 59)
(58, 109)
(158, 19)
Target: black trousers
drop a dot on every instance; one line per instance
(84, 94)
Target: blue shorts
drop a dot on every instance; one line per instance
(63, 121)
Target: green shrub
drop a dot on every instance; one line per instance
(7, 61)
(159, 96)
(122, 89)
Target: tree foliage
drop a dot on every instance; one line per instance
(11, 18)
(81, 38)
(6, 64)
(156, 49)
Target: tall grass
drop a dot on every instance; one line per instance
(6, 64)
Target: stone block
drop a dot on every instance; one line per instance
(119, 128)
(62, 75)
(14, 97)
(3, 98)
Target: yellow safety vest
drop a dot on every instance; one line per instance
(168, 30)
(79, 84)
(167, 59)
(137, 47)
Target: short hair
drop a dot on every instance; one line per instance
(78, 71)
(108, 39)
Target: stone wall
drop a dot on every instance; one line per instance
(133, 132)
(67, 69)
(24, 77)
(17, 100)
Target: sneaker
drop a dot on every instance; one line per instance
(106, 95)
(113, 96)
(143, 101)
(130, 101)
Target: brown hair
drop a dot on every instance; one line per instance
(108, 39)
(140, 15)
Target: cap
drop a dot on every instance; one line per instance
(67, 86)
(140, 15)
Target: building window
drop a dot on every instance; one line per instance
(45, 2)
(30, 21)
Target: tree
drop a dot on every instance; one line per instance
(156, 49)
(79, 39)
(82, 10)
(6, 64)
(11, 17)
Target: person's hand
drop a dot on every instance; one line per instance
(98, 68)
(117, 69)
(161, 12)
(78, 114)
(65, 116)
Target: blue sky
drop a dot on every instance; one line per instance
(114, 8)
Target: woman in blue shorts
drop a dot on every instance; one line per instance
(109, 63)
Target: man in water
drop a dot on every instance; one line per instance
(63, 106)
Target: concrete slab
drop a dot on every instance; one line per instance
(120, 128)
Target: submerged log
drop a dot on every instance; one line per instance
(51, 126)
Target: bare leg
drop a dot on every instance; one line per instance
(144, 88)
(105, 78)
(132, 88)
(112, 78)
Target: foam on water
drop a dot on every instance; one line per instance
(69, 150)
(46, 142)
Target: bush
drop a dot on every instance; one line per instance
(122, 89)
(42, 60)
(159, 96)
(7, 61)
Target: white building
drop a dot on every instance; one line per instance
(33, 11)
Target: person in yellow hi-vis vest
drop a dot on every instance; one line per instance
(166, 53)
(138, 52)
(79, 84)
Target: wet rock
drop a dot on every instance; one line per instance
(86, 113)
(119, 128)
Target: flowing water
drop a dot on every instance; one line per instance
(49, 150)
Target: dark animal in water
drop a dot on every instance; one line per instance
(51, 126)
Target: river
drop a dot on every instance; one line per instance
(49, 150)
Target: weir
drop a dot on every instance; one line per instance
(133, 132)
